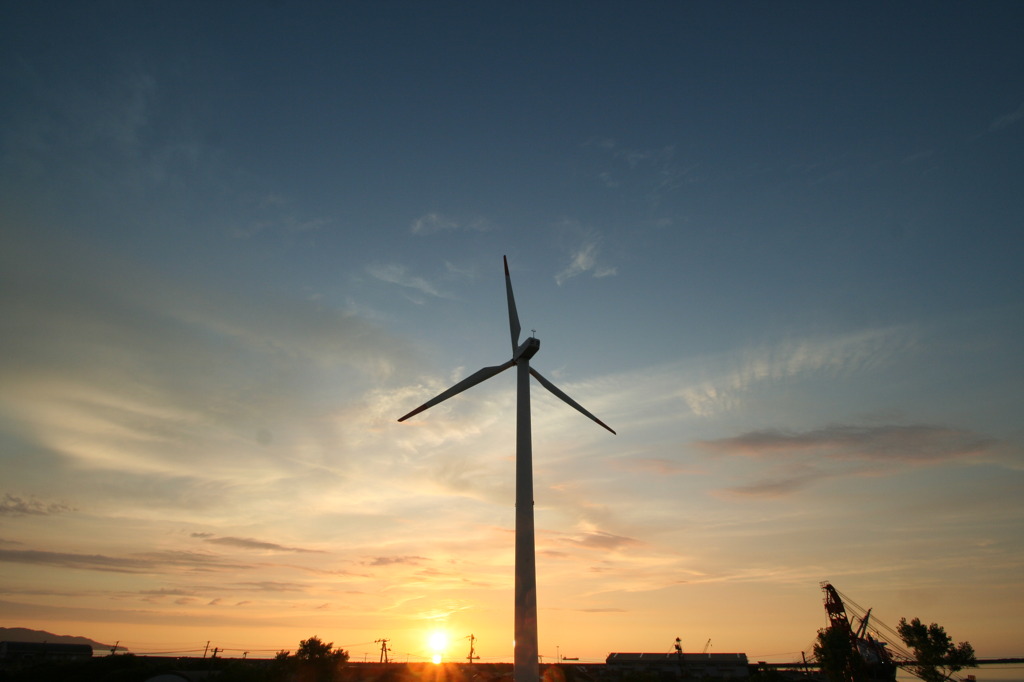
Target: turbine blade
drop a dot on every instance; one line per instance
(558, 392)
(470, 381)
(513, 316)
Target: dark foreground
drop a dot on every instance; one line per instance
(128, 668)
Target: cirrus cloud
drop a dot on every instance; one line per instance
(16, 506)
(912, 443)
(584, 259)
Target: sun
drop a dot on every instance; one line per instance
(438, 641)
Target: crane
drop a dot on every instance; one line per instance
(868, 652)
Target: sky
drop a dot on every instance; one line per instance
(776, 246)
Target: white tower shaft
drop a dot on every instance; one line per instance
(526, 642)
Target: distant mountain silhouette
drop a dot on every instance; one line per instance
(26, 635)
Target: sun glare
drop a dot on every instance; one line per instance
(438, 643)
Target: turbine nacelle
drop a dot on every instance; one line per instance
(527, 349)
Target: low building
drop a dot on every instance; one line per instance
(689, 666)
(43, 651)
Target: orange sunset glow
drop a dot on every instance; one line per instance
(776, 247)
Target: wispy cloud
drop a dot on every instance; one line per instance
(17, 506)
(160, 392)
(142, 563)
(168, 592)
(777, 484)
(584, 259)
(1007, 120)
(713, 385)
(395, 560)
(106, 139)
(393, 273)
(836, 356)
(800, 459)
(249, 543)
(270, 218)
(603, 541)
(111, 141)
(654, 172)
(655, 465)
(890, 443)
(270, 586)
(432, 223)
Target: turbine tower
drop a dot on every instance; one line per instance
(526, 648)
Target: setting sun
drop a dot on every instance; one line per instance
(438, 643)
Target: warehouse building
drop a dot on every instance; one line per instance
(682, 666)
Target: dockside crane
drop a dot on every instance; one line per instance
(878, 655)
(871, 658)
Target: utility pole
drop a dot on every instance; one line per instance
(207, 648)
(472, 651)
(113, 649)
(679, 655)
(383, 650)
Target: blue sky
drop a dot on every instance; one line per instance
(776, 246)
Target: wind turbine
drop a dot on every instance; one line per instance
(526, 649)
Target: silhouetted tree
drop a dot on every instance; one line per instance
(936, 655)
(316, 661)
(314, 649)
